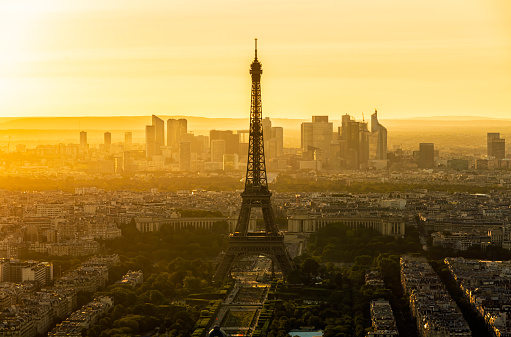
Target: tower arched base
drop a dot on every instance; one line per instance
(254, 244)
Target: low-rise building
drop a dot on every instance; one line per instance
(436, 314)
(132, 278)
(382, 319)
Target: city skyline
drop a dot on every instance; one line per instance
(409, 60)
(124, 215)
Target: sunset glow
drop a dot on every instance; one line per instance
(407, 58)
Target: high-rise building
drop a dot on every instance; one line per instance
(150, 141)
(159, 134)
(83, 141)
(426, 155)
(381, 136)
(490, 136)
(266, 122)
(185, 156)
(107, 137)
(499, 148)
(108, 141)
(154, 137)
(316, 136)
(127, 161)
(353, 143)
(217, 150)
(496, 146)
(244, 139)
(273, 139)
(363, 152)
(128, 140)
(231, 139)
(243, 136)
(176, 128)
(202, 144)
(230, 162)
(277, 133)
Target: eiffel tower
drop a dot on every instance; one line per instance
(242, 243)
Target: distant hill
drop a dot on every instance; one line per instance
(459, 118)
(197, 124)
(453, 124)
(201, 125)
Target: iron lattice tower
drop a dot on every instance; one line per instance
(256, 194)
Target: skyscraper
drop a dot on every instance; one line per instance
(277, 133)
(317, 136)
(496, 146)
(353, 143)
(273, 139)
(232, 140)
(202, 144)
(185, 156)
(159, 134)
(108, 141)
(243, 136)
(499, 148)
(266, 122)
(426, 155)
(230, 162)
(218, 150)
(128, 140)
(107, 137)
(381, 136)
(363, 151)
(275, 144)
(176, 128)
(490, 136)
(83, 141)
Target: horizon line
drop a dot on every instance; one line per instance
(272, 117)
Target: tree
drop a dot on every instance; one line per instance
(388, 267)
(129, 321)
(192, 283)
(153, 296)
(220, 227)
(310, 267)
(315, 321)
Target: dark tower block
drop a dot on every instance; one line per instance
(256, 194)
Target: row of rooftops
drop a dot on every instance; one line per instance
(83, 318)
(29, 311)
(115, 204)
(382, 319)
(487, 285)
(430, 303)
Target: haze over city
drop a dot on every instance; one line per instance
(101, 58)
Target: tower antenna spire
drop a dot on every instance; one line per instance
(255, 48)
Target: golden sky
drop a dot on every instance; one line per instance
(191, 57)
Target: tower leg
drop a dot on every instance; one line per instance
(243, 218)
(269, 219)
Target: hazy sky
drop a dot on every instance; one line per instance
(191, 57)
